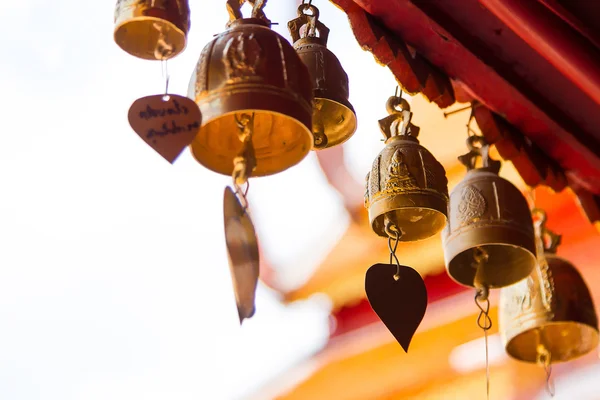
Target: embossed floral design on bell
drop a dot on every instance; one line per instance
(407, 187)
(250, 69)
(152, 29)
(489, 239)
(334, 119)
(551, 314)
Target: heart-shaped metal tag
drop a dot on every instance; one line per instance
(401, 303)
(168, 124)
(242, 248)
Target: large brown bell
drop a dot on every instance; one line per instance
(550, 315)
(407, 189)
(489, 240)
(251, 69)
(334, 119)
(152, 29)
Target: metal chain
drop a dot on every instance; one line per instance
(485, 323)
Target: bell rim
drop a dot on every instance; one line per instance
(346, 137)
(590, 328)
(376, 211)
(144, 18)
(257, 172)
(491, 286)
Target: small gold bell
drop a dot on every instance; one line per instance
(152, 29)
(550, 315)
(489, 240)
(407, 187)
(334, 119)
(253, 70)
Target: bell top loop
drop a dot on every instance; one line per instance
(398, 124)
(479, 147)
(312, 24)
(234, 8)
(550, 240)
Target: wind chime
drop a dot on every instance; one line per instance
(489, 240)
(407, 200)
(256, 100)
(549, 317)
(334, 119)
(157, 30)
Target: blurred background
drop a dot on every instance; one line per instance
(114, 281)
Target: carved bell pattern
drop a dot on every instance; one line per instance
(251, 69)
(550, 314)
(334, 119)
(489, 240)
(152, 29)
(407, 187)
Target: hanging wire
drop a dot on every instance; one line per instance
(398, 92)
(544, 359)
(485, 323)
(393, 236)
(165, 74)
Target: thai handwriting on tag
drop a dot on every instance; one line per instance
(168, 124)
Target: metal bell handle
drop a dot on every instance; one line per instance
(398, 122)
(550, 240)
(312, 20)
(479, 147)
(234, 7)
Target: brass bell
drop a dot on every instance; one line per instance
(152, 29)
(489, 240)
(334, 119)
(550, 315)
(251, 69)
(407, 189)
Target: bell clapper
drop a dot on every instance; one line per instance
(245, 162)
(485, 323)
(163, 50)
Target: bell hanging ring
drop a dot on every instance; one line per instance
(251, 69)
(407, 189)
(334, 119)
(489, 239)
(549, 316)
(152, 29)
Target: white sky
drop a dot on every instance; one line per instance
(113, 275)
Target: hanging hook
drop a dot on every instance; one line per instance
(394, 234)
(485, 323)
(544, 359)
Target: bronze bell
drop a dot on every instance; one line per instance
(489, 240)
(253, 70)
(407, 189)
(551, 313)
(334, 119)
(152, 29)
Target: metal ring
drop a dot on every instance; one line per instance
(308, 6)
(476, 142)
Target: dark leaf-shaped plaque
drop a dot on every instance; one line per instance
(401, 303)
